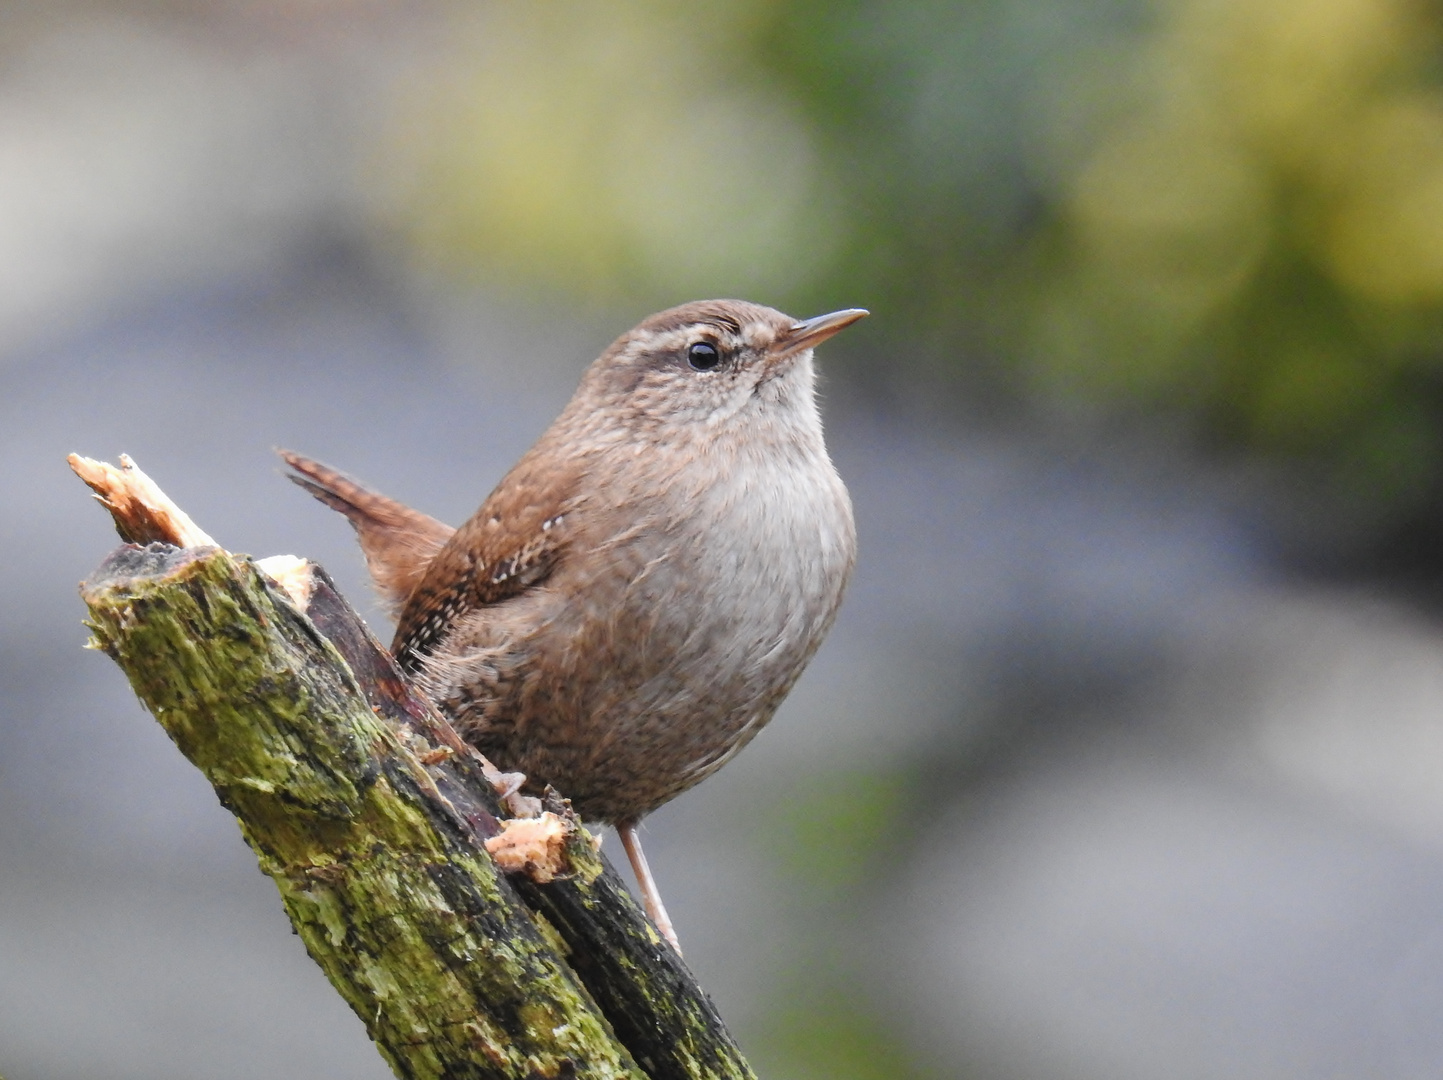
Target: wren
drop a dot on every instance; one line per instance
(639, 593)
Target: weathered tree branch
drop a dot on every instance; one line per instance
(373, 817)
(412, 924)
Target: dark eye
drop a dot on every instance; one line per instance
(703, 355)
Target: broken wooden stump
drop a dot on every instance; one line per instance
(378, 822)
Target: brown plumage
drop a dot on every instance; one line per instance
(398, 542)
(638, 594)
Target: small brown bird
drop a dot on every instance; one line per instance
(633, 601)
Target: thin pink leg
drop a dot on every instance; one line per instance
(649, 894)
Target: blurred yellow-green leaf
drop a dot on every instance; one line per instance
(1229, 212)
(615, 151)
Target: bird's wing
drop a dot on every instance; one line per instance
(507, 547)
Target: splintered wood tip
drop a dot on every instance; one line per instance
(143, 513)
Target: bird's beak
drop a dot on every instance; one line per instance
(810, 332)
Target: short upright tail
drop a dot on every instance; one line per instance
(398, 542)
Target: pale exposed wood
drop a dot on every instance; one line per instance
(142, 513)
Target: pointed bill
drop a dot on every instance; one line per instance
(810, 332)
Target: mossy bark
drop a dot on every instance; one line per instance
(643, 987)
(411, 921)
(370, 813)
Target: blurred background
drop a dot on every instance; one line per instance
(1125, 759)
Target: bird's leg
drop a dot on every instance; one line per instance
(630, 840)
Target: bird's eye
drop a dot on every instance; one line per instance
(703, 355)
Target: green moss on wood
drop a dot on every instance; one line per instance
(408, 918)
(660, 1014)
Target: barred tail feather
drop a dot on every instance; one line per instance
(397, 541)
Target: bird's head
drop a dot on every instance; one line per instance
(708, 363)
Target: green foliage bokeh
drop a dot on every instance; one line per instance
(1228, 213)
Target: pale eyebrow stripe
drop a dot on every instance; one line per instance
(663, 339)
(757, 333)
